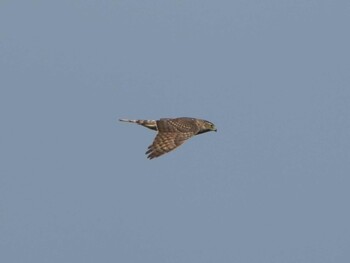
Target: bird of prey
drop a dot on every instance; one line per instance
(172, 132)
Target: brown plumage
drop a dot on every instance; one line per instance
(172, 132)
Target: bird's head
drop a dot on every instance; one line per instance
(207, 126)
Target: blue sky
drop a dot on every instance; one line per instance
(272, 185)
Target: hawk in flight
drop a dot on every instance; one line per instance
(172, 132)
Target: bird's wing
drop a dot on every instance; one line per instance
(166, 142)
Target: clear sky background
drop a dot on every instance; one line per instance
(272, 185)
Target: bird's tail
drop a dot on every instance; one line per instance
(151, 124)
(127, 120)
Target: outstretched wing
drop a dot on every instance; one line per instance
(166, 142)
